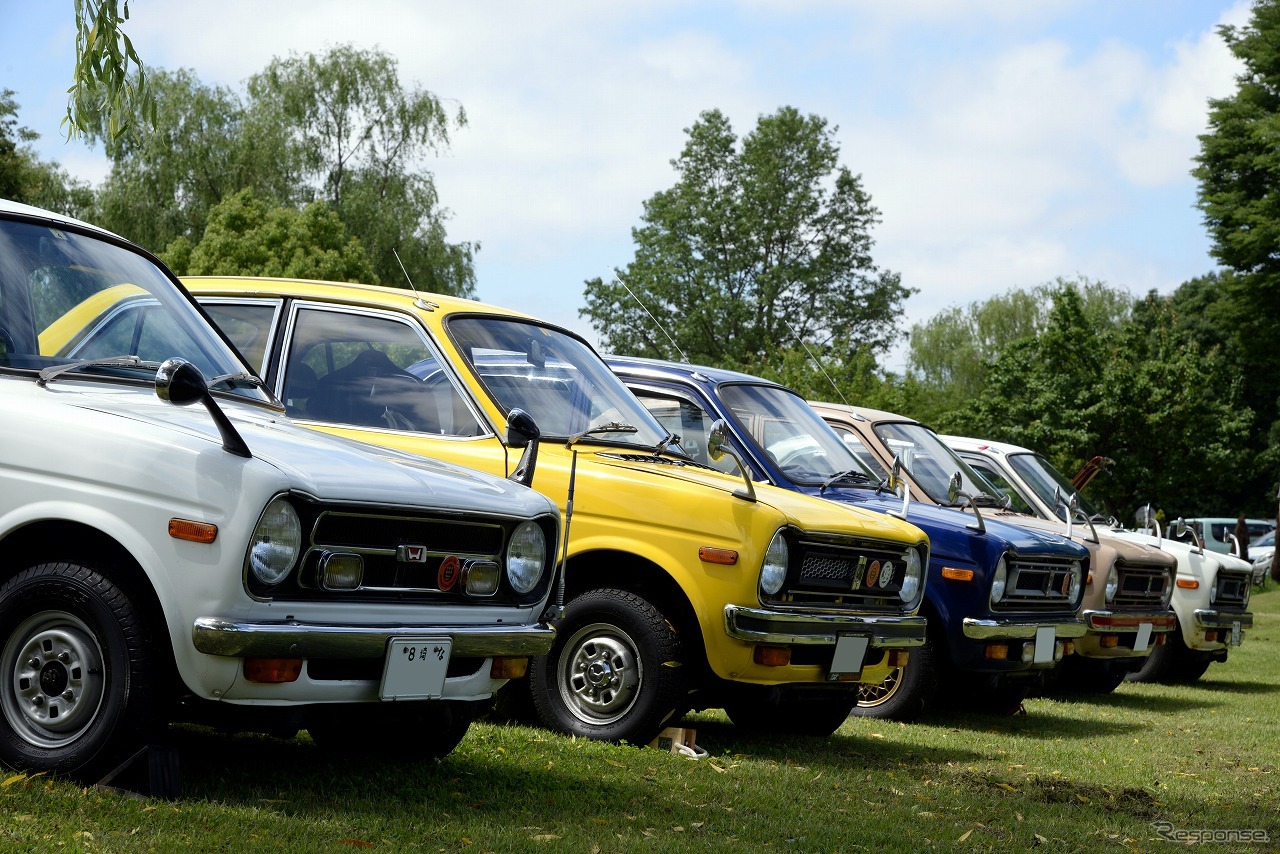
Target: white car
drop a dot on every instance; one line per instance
(175, 548)
(1261, 553)
(1211, 596)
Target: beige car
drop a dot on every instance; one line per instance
(1125, 606)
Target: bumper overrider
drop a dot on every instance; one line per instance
(781, 628)
(294, 639)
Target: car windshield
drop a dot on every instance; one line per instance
(1043, 478)
(794, 437)
(74, 304)
(555, 378)
(1267, 539)
(931, 463)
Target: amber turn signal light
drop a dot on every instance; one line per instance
(272, 669)
(772, 656)
(1188, 583)
(956, 574)
(898, 658)
(727, 557)
(509, 667)
(997, 651)
(196, 532)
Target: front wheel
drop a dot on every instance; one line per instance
(75, 671)
(616, 670)
(907, 690)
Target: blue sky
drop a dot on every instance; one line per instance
(1005, 142)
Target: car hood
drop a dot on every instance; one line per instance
(1126, 550)
(327, 467)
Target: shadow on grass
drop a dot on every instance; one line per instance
(1234, 687)
(1158, 703)
(1055, 723)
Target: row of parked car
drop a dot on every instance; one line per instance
(389, 506)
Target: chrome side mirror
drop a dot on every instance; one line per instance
(955, 493)
(718, 448)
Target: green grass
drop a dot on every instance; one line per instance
(1083, 775)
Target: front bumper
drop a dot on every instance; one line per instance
(293, 639)
(1228, 628)
(1123, 633)
(780, 628)
(1109, 622)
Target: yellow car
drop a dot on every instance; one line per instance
(683, 586)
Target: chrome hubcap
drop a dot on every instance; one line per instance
(56, 684)
(600, 673)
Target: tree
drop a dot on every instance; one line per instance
(755, 246)
(247, 237)
(110, 86)
(950, 353)
(1238, 169)
(25, 178)
(353, 132)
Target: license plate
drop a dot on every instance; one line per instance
(1046, 636)
(415, 668)
(1235, 633)
(850, 651)
(1144, 637)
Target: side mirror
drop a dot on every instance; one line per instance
(955, 493)
(179, 382)
(523, 432)
(718, 448)
(953, 488)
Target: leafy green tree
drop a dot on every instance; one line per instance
(110, 87)
(247, 237)
(25, 178)
(756, 246)
(353, 132)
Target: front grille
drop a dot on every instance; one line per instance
(1141, 587)
(1038, 584)
(846, 572)
(1232, 589)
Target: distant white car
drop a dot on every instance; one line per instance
(1261, 552)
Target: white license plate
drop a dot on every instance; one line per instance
(850, 652)
(1046, 636)
(1144, 637)
(415, 668)
(1235, 633)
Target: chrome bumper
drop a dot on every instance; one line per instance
(215, 636)
(1109, 622)
(1206, 619)
(977, 629)
(757, 625)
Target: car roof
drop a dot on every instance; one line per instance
(8, 206)
(983, 444)
(402, 298)
(863, 412)
(657, 367)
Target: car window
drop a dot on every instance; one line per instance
(248, 325)
(370, 371)
(992, 474)
(854, 443)
(688, 420)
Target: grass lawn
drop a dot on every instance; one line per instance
(1108, 773)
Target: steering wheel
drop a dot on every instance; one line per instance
(6, 341)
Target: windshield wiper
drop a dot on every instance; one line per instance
(239, 377)
(611, 427)
(852, 474)
(51, 373)
(669, 440)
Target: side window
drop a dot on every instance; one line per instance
(142, 329)
(689, 421)
(853, 443)
(345, 368)
(248, 327)
(998, 480)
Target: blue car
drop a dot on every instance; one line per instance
(1000, 600)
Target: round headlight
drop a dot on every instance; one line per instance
(1113, 583)
(774, 570)
(910, 577)
(1247, 593)
(1213, 592)
(1077, 578)
(526, 557)
(999, 579)
(276, 542)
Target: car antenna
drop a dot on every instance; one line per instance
(419, 302)
(816, 362)
(683, 357)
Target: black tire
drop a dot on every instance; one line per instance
(813, 716)
(415, 731)
(1172, 662)
(76, 671)
(615, 673)
(906, 692)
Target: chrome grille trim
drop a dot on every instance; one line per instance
(1232, 589)
(1037, 584)
(1142, 586)
(832, 571)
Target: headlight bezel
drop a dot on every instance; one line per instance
(525, 571)
(774, 565)
(912, 575)
(1076, 582)
(1113, 584)
(275, 545)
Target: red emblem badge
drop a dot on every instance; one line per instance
(448, 575)
(873, 572)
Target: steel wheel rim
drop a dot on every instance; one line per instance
(55, 671)
(600, 674)
(870, 696)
